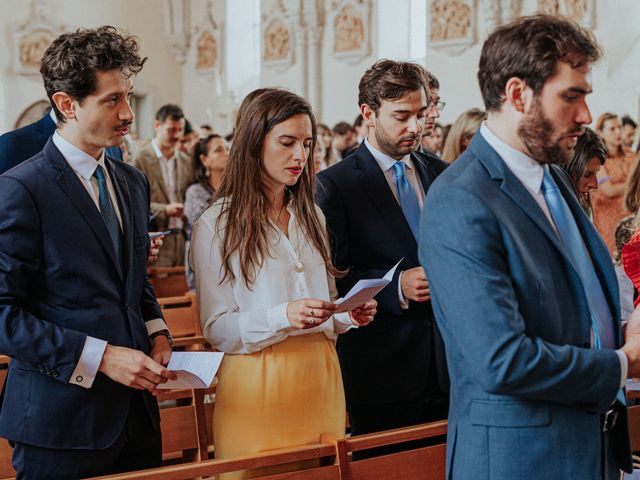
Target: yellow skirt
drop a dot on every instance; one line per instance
(283, 396)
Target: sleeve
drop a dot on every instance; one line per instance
(34, 341)
(151, 312)
(477, 310)
(333, 206)
(158, 214)
(223, 325)
(194, 203)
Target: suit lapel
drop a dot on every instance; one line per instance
(68, 181)
(377, 189)
(124, 202)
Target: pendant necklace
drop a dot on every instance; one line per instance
(299, 265)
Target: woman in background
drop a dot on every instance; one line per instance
(210, 157)
(461, 133)
(588, 156)
(325, 138)
(265, 284)
(608, 201)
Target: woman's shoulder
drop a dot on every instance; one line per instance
(212, 213)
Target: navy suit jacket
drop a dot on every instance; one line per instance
(369, 235)
(18, 145)
(527, 390)
(59, 282)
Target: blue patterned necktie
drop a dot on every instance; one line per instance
(408, 199)
(601, 322)
(107, 211)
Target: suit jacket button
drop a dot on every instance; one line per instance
(79, 378)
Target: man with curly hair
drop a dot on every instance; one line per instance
(78, 317)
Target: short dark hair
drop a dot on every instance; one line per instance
(589, 145)
(390, 80)
(172, 111)
(188, 128)
(530, 48)
(358, 121)
(432, 80)
(342, 128)
(627, 120)
(71, 61)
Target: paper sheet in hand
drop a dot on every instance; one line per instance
(364, 290)
(194, 369)
(632, 385)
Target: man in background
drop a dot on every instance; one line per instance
(170, 172)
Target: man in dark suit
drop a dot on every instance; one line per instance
(524, 290)
(372, 201)
(79, 318)
(18, 145)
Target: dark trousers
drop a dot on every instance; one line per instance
(139, 446)
(430, 406)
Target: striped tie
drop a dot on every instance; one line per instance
(108, 212)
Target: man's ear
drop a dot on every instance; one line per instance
(368, 115)
(65, 104)
(518, 94)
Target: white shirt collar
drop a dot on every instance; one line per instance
(525, 168)
(385, 161)
(80, 161)
(158, 152)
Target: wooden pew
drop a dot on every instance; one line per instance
(634, 427)
(183, 427)
(168, 281)
(424, 463)
(6, 469)
(322, 451)
(183, 319)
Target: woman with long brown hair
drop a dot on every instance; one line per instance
(265, 281)
(608, 200)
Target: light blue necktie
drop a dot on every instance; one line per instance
(601, 321)
(408, 199)
(108, 212)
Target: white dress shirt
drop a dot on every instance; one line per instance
(168, 169)
(84, 165)
(386, 163)
(241, 320)
(530, 173)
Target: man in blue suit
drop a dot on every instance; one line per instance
(523, 288)
(78, 317)
(372, 201)
(18, 145)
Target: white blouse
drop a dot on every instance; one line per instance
(237, 319)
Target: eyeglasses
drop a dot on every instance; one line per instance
(439, 105)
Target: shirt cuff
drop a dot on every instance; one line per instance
(277, 320)
(624, 367)
(156, 325)
(404, 305)
(89, 362)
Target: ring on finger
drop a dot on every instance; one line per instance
(311, 312)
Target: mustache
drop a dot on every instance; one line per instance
(122, 126)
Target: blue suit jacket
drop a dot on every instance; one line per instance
(18, 145)
(527, 390)
(59, 282)
(369, 235)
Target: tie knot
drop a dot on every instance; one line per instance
(399, 167)
(548, 185)
(99, 173)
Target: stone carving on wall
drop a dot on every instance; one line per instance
(31, 39)
(582, 11)
(177, 28)
(208, 45)
(493, 13)
(453, 24)
(351, 23)
(277, 38)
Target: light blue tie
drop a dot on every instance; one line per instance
(601, 320)
(107, 211)
(408, 199)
